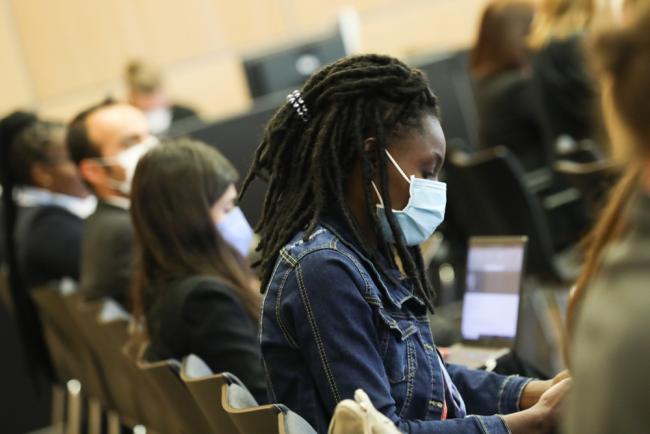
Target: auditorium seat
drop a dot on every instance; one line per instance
(178, 407)
(105, 329)
(238, 404)
(592, 179)
(206, 389)
(488, 195)
(72, 360)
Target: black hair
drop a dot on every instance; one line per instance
(33, 145)
(306, 164)
(80, 146)
(29, 325)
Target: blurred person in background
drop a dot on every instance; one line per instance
(610, 310)
(630, 8)
(192, 282)
(145, 91)
(563, 85)
(10, 127)
(53, 202)
(106, 141)
(500, 67)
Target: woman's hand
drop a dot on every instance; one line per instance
(543, 416)
(535, 389)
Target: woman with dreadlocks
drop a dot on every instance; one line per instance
(346, 290)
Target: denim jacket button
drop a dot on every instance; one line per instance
(436, 404)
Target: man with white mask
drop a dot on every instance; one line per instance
(106, 141)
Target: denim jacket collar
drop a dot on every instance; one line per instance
(399, 293)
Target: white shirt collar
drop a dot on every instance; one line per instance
(118, 201)
(33, 196)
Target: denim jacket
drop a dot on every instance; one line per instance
(331, 324)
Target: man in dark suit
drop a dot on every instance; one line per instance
(106, 142)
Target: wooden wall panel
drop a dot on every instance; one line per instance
(170, 31)
(315, 16)
(68, 44)
(15, 88)
(216, 87)
(424, 27)
(250, 24)
(65, 54)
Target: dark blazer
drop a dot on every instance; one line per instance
(509, 117)
(48, 243)
(107, 253)
(203, 316)
(565, 90)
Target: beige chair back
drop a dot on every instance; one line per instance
(70, 354)
(105, 328)
(206, 389)
(187, 416)
(232, 409)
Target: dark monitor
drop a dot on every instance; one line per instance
(449, 79)
(237, 138)
(290, 68)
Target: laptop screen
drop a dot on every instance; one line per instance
(492, 288)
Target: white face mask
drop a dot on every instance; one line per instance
(160, 119)
(128, 160)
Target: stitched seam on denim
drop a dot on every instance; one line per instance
(358, 267)
(278, 316)
(319, 341)
(501, 391)
(504, 423)
(287, 257)
(410, 353)
(521, 391)
(373, 301)
(269, 383)
(432, 373)
(483, 426)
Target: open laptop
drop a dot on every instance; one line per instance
(492, 300)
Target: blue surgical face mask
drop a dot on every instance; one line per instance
(423, 213)
(234, 228)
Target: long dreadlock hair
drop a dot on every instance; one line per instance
(306, 163)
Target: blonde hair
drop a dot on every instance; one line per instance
(142, 77)
(560, 19)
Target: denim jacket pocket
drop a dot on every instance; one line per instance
(398, 347)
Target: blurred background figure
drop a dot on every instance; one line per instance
(564, 89)
(610, 309)
(146, 91)
(106, 141)
(53, 202)
(192, 284)
(500, 67)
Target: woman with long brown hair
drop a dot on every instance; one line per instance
(500, 67)
(192, 283)
(610, 312)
